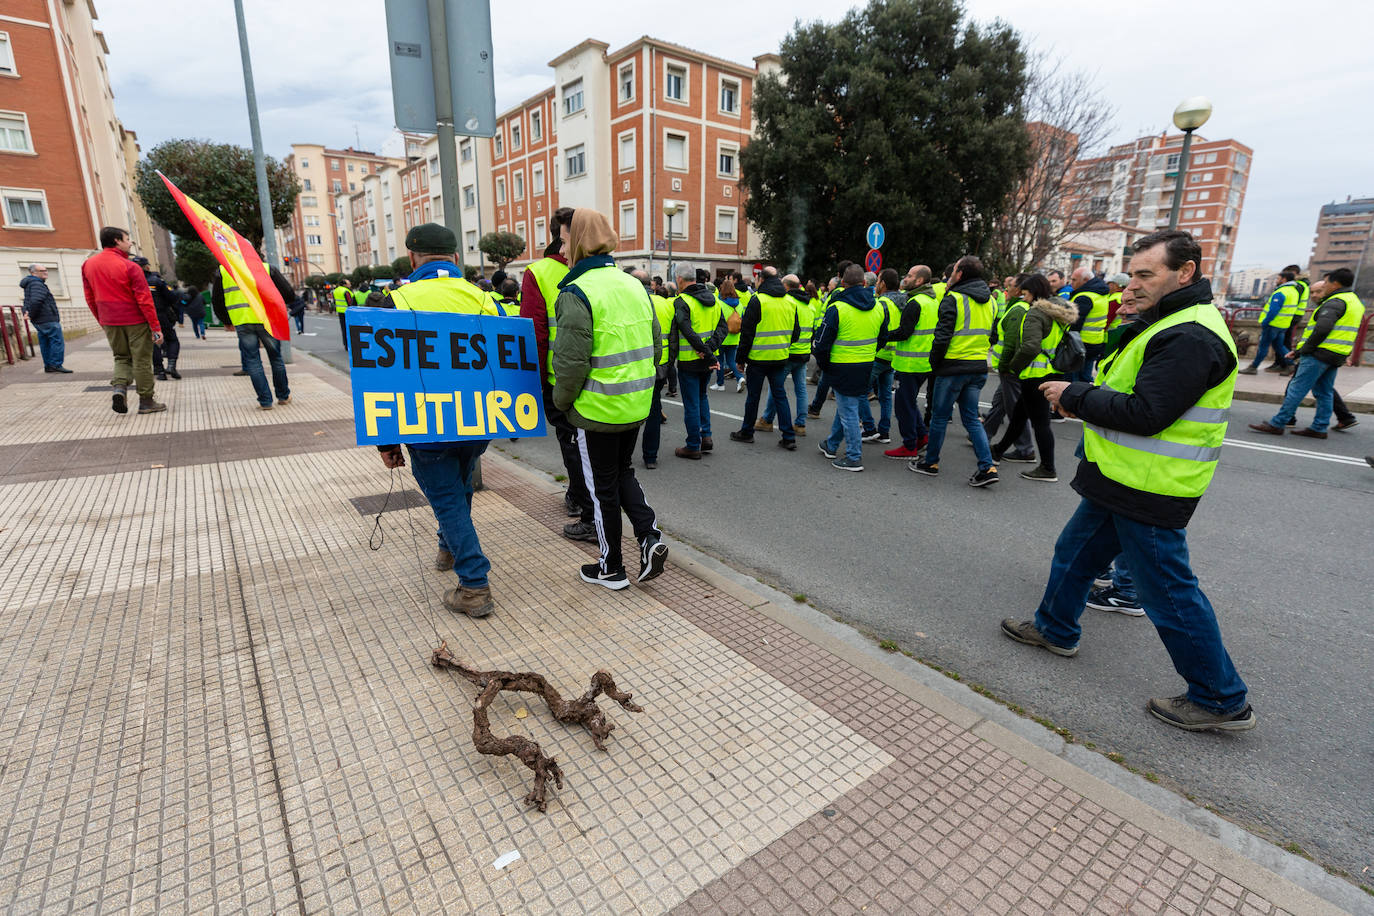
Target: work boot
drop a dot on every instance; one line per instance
(150, 406)
(1181, 712)
(1248, 370)
(1309, 433)
(739, 435)
(570, 505)
(763, 426)
(444, 560)
(120, 401)
(1266, 428)
(1343, 425)
(683, 451)
(1025, 631)
(580, 531)
(172, 369)
(800, 429)
(707, 444)
(474, 602)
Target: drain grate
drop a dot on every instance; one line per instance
(401, 499)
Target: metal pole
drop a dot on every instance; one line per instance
(269, 232)
(671, 279)
(1178, 183)
(443, 110)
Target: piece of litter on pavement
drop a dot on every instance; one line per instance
(505, 859)
(521, 713)
(159, 465)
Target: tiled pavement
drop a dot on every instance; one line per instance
(215, 697)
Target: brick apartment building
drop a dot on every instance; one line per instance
(66, 162)
(1343, 240)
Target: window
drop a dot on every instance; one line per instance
(352, 186)
(729, 97)
(727, 157)
(537, 179)
(415, 215)
(14, 133)
(675, 152)
(1242, 162)
(391, 252)
(333, 163)
(628, 219)
(307, 185)
(338, 187)
(469, 197)
(1192, 195)
(726, 220)
(540, 234)
(678, 221)
(433, 166)
(388, 222)
(499, 148)
(626, 79)
(350, 166)
(515, 136)
(576, 158)
(305, 163)
(572, 97)
(372, 228)
(312, 220)
(501, 190)
(675, 85)
(627, 151)
(427, 210)
(7, 63)
(314, 241)
(470, 240)
(1171, 164)
(26, 209)
(311, 201)
(465, 151)
(520, 230)
(536, 125)
(518, 185)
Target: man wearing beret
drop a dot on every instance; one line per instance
(444, 470)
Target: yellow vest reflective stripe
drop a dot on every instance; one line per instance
(445, 294)
(856, 341)
(1341, 340)
(773, 336)
(704, 318)
(547, 274)
(1016, 312)
(806, 320)
(340, 297)
(236, 301)
(619, 387)
(1181, 460)
(1043, 364)
(972, 328)
(1095, 325)
(913, 354)
(663, 308)
(1292, 302)
(894, 318)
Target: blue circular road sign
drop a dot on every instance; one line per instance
(875, 235)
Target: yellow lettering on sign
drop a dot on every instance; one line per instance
(437, 400)
(527, 411)
(421, 424)
(477, 427)
(372, 409)
(497, 402)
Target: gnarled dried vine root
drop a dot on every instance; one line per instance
(582, 710)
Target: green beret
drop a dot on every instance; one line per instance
(431, 238)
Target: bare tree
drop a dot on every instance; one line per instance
(1068, 119)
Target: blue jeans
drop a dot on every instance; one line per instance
(798, 372)
(880, 380)
(445, 477)
(250, 336)
(962, 390)
(198, 326)
(846, 428)
(1120, 573)
(727, 361)
(1270, 336)
(909, 420)
(696, 409)
(773, 372)
(1317, 377)
(1167, 590)
(51, 344)
(653, 427)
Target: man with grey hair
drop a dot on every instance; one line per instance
(41, 308)
(870, 279)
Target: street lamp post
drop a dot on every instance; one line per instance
(670, 210)
(1188, 116)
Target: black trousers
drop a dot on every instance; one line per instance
(607, 460)
(1032, 406)
(653, 428)
(343, 330)
(170, 348)
(566, 434)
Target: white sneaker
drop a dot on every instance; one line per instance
(717, 387)
(739, 386)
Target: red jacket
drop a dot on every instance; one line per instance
(116, 290)
(532, 306)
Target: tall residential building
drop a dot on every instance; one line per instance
(1343, 239)
(1133, 185)
(65, 169)
(311, 238)
(1252, 283)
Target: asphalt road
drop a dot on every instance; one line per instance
(1280, 543)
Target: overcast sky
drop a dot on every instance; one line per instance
(1280, 76)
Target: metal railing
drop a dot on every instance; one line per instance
(14, 329)
(1250, 313)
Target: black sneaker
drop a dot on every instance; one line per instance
(119, 402)
(1111, 599)
(1020, 457)
(884, 438)
(741, 436)
(825, 451)
(871, 436)
(1040, 473)
(847, 464)
(570, 505)
(580, 531)
(652, 557)
(591, 573)
(984, 478)
(921, 467)
(789, 444)
(1056, 417)
(1181, 712)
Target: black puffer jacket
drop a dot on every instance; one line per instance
(1179, 365)
(38, 301)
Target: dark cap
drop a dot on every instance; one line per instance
(431, 238)
(140, 260)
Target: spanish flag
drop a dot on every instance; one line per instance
(237, 256)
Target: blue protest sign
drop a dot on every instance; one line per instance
(875, 235)
(442, 377)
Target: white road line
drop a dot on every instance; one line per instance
(1257, 446)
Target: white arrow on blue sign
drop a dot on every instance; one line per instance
(875, 235)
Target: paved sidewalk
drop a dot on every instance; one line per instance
(1355, 384)
(215, 696)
